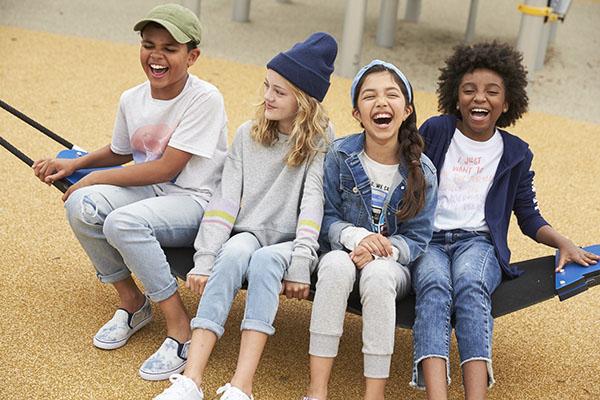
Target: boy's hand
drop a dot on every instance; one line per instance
(571, 253)
(377, 244)
(87, 180)
(295, 290)
(49, 170)
(361, 256)
(196, 283)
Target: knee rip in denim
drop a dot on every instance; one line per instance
(89, 209)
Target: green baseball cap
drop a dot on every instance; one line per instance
(181, 22)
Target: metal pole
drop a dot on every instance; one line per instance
(530, 34)
(386, 29)
(470, 31)
(354, 26)
(543, 45)
(37, 125)
(241, 11)
(61, 184)
(413, 10)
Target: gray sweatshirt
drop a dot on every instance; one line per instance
(260, 194)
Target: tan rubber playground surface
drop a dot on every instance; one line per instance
(52, 303)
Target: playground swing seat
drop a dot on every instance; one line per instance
(536, 284)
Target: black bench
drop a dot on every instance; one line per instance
(534, 286)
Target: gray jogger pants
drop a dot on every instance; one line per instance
(381, 282)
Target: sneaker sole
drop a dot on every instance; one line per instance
(115, 345)
(163, 375)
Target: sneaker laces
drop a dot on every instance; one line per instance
(233, 393)
(179, 385)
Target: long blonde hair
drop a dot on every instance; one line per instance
(309, 128)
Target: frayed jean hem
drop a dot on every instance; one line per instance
(417, 380)
(488, 364)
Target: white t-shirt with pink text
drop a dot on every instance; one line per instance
(195, 122)
(465, 180)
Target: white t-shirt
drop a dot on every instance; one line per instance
(194, 122)
(465, 180)
(382, 178)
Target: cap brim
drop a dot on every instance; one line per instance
(177, 33)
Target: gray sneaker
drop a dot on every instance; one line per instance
(123, 324)
(169, 359)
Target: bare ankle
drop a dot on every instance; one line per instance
(245, 387)
(313, 394)
(133, 303)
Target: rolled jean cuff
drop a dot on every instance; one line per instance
(164, 293)
(112, 278)
(202, 323)
(418, 382)
(258, 326)
(488, 364)
(377, 366)
(323, 345)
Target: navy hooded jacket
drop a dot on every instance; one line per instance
(512, 188)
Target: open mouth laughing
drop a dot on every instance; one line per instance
(382, 119)
(479, 113)
(158, 70)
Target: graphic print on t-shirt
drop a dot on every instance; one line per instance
(150, 141)
(378, 194)
(465, 180)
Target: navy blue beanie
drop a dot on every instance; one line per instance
(309, 64)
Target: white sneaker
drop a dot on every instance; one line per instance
(123, 324)
(232, 393)
(182, 388)
(169, 359)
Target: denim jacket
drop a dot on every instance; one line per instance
(347, 191)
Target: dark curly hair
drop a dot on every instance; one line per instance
(410, 149)
(501, 58)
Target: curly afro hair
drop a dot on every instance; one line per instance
(498, 57)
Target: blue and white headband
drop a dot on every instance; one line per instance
(387, 65)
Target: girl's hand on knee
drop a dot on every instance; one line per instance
(569, 252)
(295, 290)
(377, 244)
(361, 256)
(196, 283)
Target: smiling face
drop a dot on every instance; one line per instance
(165, 62)
(281, 104)
(481, 101)
(381, 108)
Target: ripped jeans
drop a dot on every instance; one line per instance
(456, 275)
(122, 230)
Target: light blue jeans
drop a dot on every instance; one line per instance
(122, 230)
(456, 275)
(242, 258)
